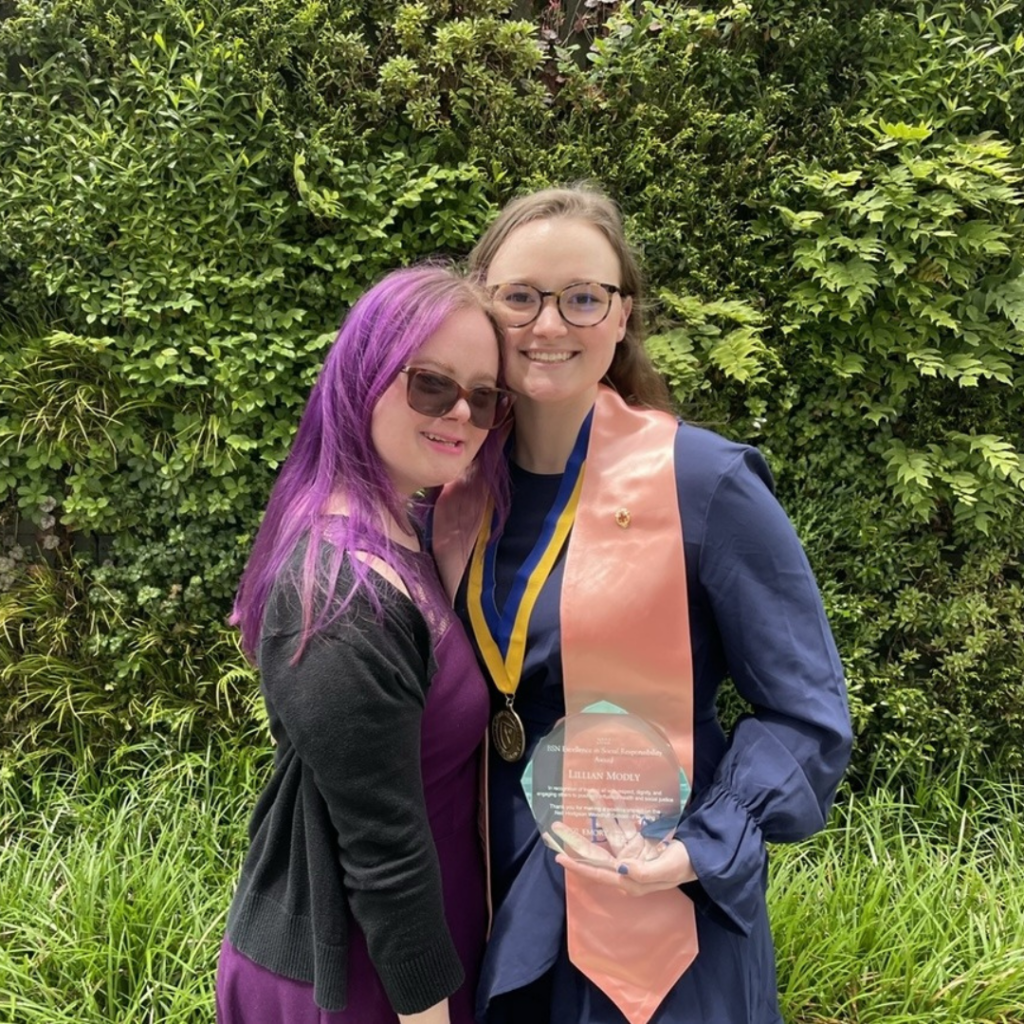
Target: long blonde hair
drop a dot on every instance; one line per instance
(631, 373)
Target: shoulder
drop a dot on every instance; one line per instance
(704, 458)
(381, 604)
(363, 654)
(381, 568)
(723, 487)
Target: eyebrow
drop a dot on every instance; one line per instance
(531, 282)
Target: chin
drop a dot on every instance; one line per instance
(551, 391)
(446, 478)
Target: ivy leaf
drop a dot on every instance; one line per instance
(741, 355)
(903, 131)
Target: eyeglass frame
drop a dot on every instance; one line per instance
(613, 289)
(463, 394)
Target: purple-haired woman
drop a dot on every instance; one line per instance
(361, 899)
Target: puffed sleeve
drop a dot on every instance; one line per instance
(352, 708)
(778, 776)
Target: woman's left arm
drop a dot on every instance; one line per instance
(779, 774)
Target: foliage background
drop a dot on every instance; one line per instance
(827, 199)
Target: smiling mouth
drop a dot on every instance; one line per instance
(549, 357)
(443, 440)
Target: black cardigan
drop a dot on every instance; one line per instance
(342, 827)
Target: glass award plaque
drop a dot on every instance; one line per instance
(605, 783)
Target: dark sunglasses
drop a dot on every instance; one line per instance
(433, 394)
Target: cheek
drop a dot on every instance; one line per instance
(510, 345)
(376, 430)
(509, 339)
(389, 414)
(620, 334)
(474, 441)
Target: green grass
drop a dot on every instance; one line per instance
(114, 886)
(909, 909)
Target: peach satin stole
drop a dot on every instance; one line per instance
(626, 639)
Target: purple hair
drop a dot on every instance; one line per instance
(333, 451)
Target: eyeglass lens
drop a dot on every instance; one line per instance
(434, 394)
(581, 305)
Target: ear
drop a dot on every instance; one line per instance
(627, 308)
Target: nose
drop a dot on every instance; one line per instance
(459, 412)
(549, 322)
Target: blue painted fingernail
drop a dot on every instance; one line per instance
(623, 870)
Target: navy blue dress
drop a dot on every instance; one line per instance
(755, 616)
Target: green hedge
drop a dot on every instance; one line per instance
(827, 198)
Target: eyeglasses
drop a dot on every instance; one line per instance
(585, 304)
(434, 394)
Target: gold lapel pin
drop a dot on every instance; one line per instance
(622, 517)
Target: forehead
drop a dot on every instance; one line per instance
(553, 253)
(465, 346)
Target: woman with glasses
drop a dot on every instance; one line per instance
(641, 562)
(362, 896)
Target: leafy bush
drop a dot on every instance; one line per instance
(931, 632)
(240, 176)
(826, 198)
(909, 307)
(84, 671)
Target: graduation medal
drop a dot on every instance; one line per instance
(501, 635)
(507, 732)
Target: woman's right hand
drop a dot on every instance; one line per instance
(633, 876)
(436, 1014)
(627, 860)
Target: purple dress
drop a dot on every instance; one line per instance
(454, 721)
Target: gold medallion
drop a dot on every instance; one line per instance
(508, 734)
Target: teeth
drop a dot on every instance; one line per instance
(442, 440)
(549, 357)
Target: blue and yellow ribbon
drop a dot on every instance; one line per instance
(501, 636)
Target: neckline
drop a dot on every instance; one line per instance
(528, 474)
(394, 544)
